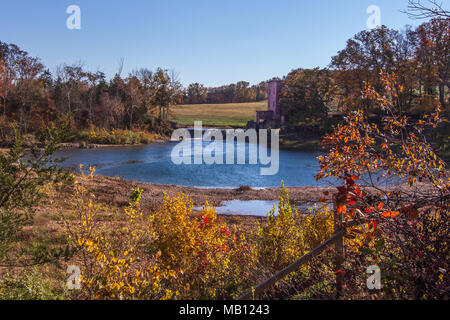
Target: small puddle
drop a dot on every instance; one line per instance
(251, 208)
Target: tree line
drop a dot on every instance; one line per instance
(241, 91)
(419, 58)
(31, 96)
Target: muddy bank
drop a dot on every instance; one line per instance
(81, 145)
(116, 191)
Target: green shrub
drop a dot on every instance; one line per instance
(28, 286)
(291, 234)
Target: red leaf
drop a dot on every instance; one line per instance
(341, 272)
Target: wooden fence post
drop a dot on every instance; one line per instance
(256, 292)
(340, 250)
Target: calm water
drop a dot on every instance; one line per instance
(251, 208)
(152, 163)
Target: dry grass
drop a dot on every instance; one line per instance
(231, 114)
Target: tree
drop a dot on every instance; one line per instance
(196, 93)
(6, 70)
(23, 173)
(243, 92)
(365, 56)
(167, 92)
(145, 112)
(433, 57)
(405, 225)
(305, 94)
(27, 90)
(261, 91)
(93, 80)
(71, 77)
(133, 99)
(112, 110)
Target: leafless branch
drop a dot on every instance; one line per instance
(417, 9)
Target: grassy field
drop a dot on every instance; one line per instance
(231, 114)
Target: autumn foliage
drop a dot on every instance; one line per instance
(405, 226)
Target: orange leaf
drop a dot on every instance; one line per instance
(380, 206)
(342, 209)
(390, 214)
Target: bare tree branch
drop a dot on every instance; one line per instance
(433, 9)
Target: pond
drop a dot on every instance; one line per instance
(153, 164)
(251, 208)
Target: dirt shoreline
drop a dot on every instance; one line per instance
(116, 191)
(78, 145)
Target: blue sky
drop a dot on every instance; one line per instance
(207, 41)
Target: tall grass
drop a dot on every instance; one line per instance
(116, 136)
